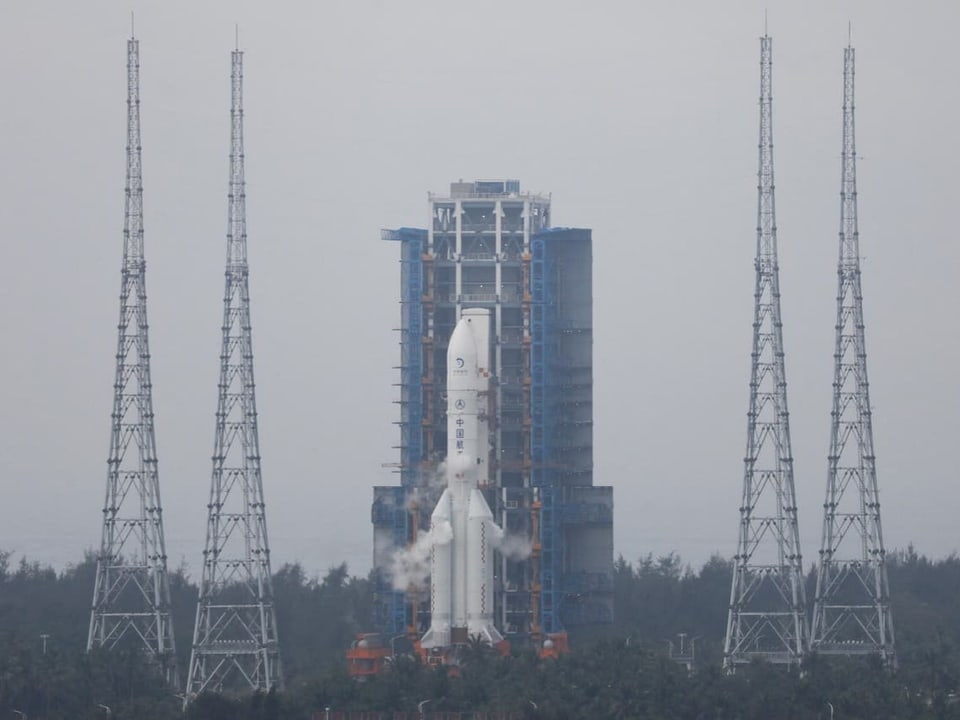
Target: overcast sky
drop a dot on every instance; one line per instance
(639, 117)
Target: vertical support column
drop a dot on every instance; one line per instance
(416, 430)
(536, 632)
(498, 346)
(542, 432)
(526, 225)
(458, 286)
(527, 301)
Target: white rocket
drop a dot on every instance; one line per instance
(462, 527)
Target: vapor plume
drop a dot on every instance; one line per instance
(411, 565)
(515, 547)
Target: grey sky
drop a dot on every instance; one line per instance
(640, 118)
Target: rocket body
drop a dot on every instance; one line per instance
(462, 526)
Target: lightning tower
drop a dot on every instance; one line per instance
(131, 597)
(851, 612)
(235, 642)
(767, 601)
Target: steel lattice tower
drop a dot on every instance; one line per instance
(767, 601)
(235, 638)
(131, 597)
(851, 612)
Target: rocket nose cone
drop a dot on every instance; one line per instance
(442, 510)
(478, 507)
(462, 350)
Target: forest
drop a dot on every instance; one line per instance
(627, 671)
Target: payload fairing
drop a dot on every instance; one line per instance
(462, 526)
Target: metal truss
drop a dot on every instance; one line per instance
(851, 613)
(131, 597)
(767, 600)
(235, 645)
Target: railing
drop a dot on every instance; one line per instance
(509, 402)
(508, 295)
(413, 715)
(511, 378)
(473, 195)
(475, 227)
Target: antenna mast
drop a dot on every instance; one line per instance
(131, 597)
(851, 612)
(767, 602)
(235, 638)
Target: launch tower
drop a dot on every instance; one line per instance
(491, 246)
(851, 612)
(131, 597)
(235, 638)
(767, 599)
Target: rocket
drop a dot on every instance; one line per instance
(461, 526)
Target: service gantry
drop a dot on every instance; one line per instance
(767, 614)
(851, 611)
(235, 644)
(131, 597)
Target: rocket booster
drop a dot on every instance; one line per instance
(462, 526)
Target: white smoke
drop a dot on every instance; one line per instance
(436, 478)
(411, 565)
(429, 485)
(442, 534)
(515, 547)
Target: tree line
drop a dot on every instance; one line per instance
(629, 670)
